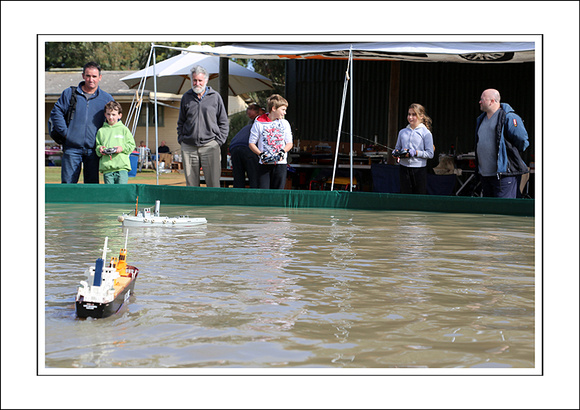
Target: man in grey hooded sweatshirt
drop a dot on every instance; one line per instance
(202, 128)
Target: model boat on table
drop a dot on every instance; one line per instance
(147, 218)
(108, 285)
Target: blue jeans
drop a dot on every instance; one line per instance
(73, 159)
(504, 187)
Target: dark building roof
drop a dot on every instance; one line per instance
(57, 81)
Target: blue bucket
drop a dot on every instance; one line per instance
(134, 158)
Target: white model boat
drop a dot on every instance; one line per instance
(146, 218)
(108, 285)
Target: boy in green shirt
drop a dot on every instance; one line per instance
(114, 145)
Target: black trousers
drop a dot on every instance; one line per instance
(244, 161)
(413, 180)
(272, 176)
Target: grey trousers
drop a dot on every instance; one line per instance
(208, 157)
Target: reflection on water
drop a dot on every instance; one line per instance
(297, 288)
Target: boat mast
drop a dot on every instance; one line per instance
(126, 238)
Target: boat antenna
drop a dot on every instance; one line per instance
(136, 205)
(126, 238)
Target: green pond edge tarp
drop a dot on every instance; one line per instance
(202, 196)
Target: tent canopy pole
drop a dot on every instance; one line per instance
(344, 90)
(351, 117)
(155, 108)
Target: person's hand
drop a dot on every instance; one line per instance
(119, 150)
(412, 152)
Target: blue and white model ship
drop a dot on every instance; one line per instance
(107, 286)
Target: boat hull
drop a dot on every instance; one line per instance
(129, 221)
(85, 308)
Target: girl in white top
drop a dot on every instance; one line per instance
(418, 140)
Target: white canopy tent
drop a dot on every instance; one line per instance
(454, 52)
(457, 52)
(172, 75)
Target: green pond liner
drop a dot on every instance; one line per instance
(202, 196)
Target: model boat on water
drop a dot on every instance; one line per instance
(146, 218)
(108, 286)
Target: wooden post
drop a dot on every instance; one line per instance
(223, 81)
(393, 115)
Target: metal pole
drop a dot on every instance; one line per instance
(344, 91)
(146, 124)
(351, 117)
(156, 121)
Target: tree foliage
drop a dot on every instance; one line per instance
(115, 56)
(275, 70)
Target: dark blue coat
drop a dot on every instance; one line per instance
(88, 117)
(511, 139)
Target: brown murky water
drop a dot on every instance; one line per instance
(297, 288)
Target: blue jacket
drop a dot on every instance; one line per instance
(511, 138)
(242, 138)
(88, 117)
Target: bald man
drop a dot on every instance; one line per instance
(500, 136)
